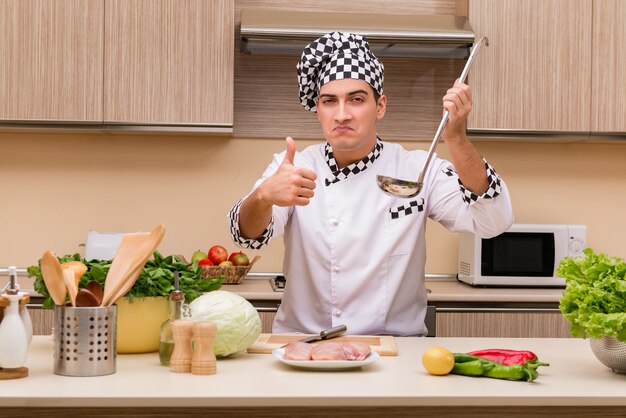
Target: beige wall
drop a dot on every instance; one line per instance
(55, 187)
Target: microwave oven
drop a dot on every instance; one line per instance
(524, 255)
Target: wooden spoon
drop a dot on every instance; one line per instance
(95, 288)
(77, 267)
(132, 254)
(53, 277)
(85, 298)
(72, 272)
(70, 284)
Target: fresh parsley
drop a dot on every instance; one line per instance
(156, 278)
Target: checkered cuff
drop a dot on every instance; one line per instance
(235, 233)
(492, 191)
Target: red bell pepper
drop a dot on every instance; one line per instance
(504, 356)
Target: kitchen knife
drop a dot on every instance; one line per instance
(325, 335)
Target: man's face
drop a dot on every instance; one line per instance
(348, 114)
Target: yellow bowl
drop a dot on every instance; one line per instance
(139, 323)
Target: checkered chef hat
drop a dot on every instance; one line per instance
(336, 56)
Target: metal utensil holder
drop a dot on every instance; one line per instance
(85, 340)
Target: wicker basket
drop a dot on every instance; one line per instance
(232, 274)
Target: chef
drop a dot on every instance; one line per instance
(354, 254)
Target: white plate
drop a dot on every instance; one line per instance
(279, 353)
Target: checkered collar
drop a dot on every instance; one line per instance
(352, 169)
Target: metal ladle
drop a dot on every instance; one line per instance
(408, 188)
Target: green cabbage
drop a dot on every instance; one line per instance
(238, 323)
(594, 300)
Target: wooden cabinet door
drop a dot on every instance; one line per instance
(51, 65)
(536, 73)
(169, 62)
(608, 100)
(502, 324)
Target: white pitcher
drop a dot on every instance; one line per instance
(13, 288)
(28, 323)
(13, 336)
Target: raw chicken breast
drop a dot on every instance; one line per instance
(298, 350)
(356, 351)
(328, 351)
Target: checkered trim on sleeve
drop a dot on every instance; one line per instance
(492, 178)
(414, 206)
(235, 233)
(336, 56)
(352, 169)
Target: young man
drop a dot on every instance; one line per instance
(354, 254)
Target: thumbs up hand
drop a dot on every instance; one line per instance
(291, 150)
(289, 185)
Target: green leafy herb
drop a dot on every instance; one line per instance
(156, 278)
(594, 300)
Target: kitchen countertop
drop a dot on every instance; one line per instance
(441, 290)
(575, 379)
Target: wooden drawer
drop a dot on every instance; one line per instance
(502, 324)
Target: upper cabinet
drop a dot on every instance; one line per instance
(118, 62)
(169, 62)
(608, 99)
(536, 73)
(51, 65)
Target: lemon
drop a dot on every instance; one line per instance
(438, 361)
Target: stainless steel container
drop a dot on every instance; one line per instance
(611, 352)
(85, 340)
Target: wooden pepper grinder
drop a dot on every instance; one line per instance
(203, 360)
(182, 332)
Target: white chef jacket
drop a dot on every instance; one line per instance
(355, 255)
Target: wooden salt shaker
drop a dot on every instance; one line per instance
(182, 332)
(203, 360)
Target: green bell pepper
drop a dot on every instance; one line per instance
(467, 365)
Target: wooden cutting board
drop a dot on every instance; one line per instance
(385, 345)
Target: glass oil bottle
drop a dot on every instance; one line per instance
(166, 342)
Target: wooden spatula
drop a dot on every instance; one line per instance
(72, 272)
(70, 284)
(53, 277)
(131, 248)
(132, 254)
(77, 267)
(122, 290)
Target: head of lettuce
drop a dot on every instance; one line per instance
(238, 323)
(594, 300)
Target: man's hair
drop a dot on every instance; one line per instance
(376, 95)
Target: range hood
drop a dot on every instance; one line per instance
(288, 32)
